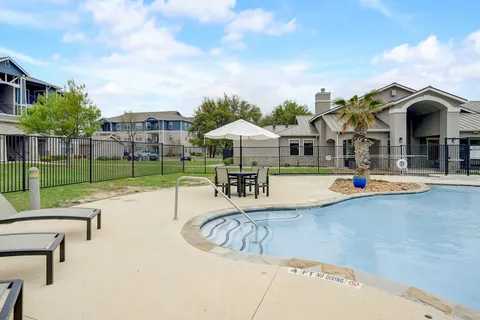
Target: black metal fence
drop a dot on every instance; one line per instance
(64, 161)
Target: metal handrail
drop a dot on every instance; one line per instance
(175, 216)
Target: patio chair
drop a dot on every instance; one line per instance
(222, 179)
(34, 244)
(8, 214)
(11, 293)
(261, 180)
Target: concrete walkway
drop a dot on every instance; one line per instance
(140, 267)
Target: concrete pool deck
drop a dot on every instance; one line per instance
(138, 266)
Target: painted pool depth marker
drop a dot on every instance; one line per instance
(324, 276)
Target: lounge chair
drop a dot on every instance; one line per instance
(11, 292)
(34, 244)
(8, 214)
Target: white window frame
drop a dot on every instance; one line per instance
(290, 147)
(313, 146)
(170, 125)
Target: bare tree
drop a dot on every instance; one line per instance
(128, 121)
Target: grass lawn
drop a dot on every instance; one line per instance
(78, 193)
(57, 173)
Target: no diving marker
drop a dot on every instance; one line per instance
(324, 276)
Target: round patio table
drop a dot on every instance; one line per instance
(241, 175)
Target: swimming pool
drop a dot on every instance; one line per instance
(429, 240)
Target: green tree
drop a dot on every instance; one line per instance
(214, 113)
(286, 113)
(359, 114)
(128, 121)
(68, 115)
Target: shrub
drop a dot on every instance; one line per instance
(254, 163)
(103, 158)
(125, 158)
(169, 155)
(228, 161)
(286, 165)
(45, 158)
(116, 158)
(58, 157)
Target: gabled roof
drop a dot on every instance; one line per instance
(303, 128)
(160, 115)
(429, 88)
(473, 106)
(14, 63)
(469, 122)
(394, 84)
(336, 125)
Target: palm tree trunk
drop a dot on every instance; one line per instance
(362, 153)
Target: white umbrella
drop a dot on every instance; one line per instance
(241, 130)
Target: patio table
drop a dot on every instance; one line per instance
(241, 175)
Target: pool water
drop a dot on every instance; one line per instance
(429, 240)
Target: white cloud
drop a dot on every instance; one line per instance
(260, 21)
(117, 16)
(431, 62)
(377, 5)
(38, 20)
(473, 40)
(127, 26)
(20, 57)
(73, 37)
(201, 10)
(215, 51)
(56, 57)
(428, 51)
(255, 21)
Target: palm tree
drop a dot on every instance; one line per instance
(359, 114)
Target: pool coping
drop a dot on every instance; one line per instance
(191, 233)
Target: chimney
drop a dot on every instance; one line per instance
(322, 101)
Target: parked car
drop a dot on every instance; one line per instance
(186, 157)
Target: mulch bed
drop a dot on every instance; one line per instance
(345, 186)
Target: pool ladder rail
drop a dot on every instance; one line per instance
(175, 215)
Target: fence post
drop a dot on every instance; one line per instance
(446, 156)
(133, 158)
(279, 159)
(91, 160)
(318, 159)
(161, 146)
(34, 186)
(24, 163)
(205, 159)
(183, 157)
(467, 156)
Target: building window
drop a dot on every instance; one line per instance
(308, 147)
(170, 137)
(294, 144)
(185, 125)
(138, 139)
(170, 125)
(139, 125)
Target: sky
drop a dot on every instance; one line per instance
(155, 55)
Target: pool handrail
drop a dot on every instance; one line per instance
(175, 216)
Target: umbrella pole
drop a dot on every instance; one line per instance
(241, 154)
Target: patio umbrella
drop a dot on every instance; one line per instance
(241, 130)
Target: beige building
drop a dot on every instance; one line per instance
(420, 119)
